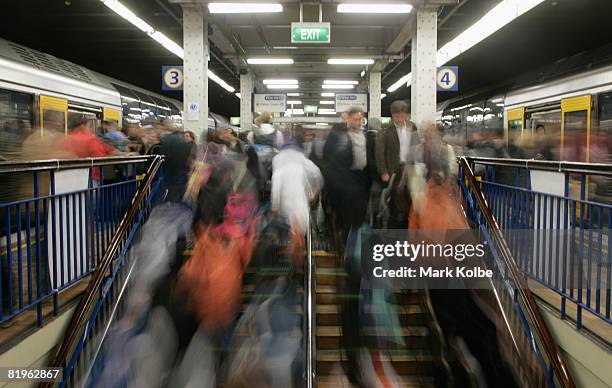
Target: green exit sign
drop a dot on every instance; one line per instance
(310, 109)
(310, 33)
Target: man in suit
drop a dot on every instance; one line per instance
(394, 149)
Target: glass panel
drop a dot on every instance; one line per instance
(53, 120)
(15, 122)
(546, 130)
(575, 136)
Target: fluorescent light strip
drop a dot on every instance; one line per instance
(293, 94)
(326, 102)
(326, 86)
(327, 110)
(159, 37)
(500, 16)
(374, 8)
(321, 124)
(279, 81)
(269, 61)
(340, 82)
(293, 86)
(327, 113)
(294, 102)
(244, 7)
(328, 94)
(128, 15)
(383, 95)
(347, 61)
(238, 95)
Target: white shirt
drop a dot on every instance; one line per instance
(404, 141)
(360, 157)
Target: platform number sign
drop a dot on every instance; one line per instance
(172, 78)
(447, 79)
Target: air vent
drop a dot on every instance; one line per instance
(50, 63)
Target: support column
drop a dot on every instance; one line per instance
(246, 104)
(375, 100)
(424, 47)
(195, 69)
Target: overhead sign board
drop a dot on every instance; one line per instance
(345, 101)
(269, 103)
(310, 32)
(172, 78)
(310, 108)
(447, 79)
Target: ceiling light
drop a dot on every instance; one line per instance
(293, 94)
(128, 15)
(349, 61)
(326, 102)
(294, 102)
(327, 86)
(168, 43)
(321, 124)
(244, 7)
(374, 8)
(327, 112)
(279, 81)
(269, 61)
(238, 95)
(402, 81)
(503, 13)
(291, 86)
(219, 81)
(362, 73)
(328, 94)
(340, 82)
(383, 95)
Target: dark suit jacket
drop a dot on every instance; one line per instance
(388, 148)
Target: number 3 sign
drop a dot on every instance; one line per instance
(447, 79)
(172, 77)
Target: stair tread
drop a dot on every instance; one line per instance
(407, 331)
(335, 355)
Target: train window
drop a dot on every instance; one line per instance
(92, 117)
(16, 118)
(605, 113)
(493, 118)
(575, 136)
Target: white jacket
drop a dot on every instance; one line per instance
(295, 182)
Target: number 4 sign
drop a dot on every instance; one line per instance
(172, 77)
(447, 79)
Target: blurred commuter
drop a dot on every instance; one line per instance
(374, 127)
(394, 149)
(190, 138)
(137, 139)
(346, 171)
(112, 135)
(265, 133)
(177, 163)
(296, 181)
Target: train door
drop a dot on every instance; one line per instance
(515, 123)
(53, 114)
(576, 128)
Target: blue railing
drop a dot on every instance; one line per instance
(56, 220)
(525, 332)
(556, 217)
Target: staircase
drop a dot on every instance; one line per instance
(415, 364)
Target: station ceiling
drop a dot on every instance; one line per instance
(88, 33)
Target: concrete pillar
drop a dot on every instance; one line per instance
(374, 89)
(424, 47)
(246, 103)
(195, 69)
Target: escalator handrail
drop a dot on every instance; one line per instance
(80, 317)
(514, 273)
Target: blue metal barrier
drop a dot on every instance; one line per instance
(55, 225)
(556, 217)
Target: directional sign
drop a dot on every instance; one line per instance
(172, 77)
(447, 79)
(310, 33)
(269, 102)
(345, 101)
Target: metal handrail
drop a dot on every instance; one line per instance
(79, 319)
(15, 166)
(603, 169)
(309, 311)
(514, 273)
